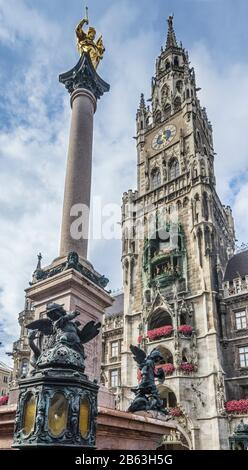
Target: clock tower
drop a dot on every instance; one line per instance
(177, 239)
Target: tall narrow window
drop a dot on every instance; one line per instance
(205, 210)
(156, 178)
(199, 237)
(240, 319)
(176, 61)
(24, 368)
(177, 103)
(114, 349)
(243, 356)
(173, 169)
(114, 378)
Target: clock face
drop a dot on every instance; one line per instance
(164, 137)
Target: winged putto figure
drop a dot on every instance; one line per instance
(59, 336)
(146, 393)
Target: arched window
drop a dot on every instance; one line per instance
(183, 317)
(167, 356)
(149, 121)
(132, 274)
(173, 169)
(176, 61)
(159, 318)
(169, 398)
(167, 65)
(199, 238)
(167, 111)
(177, 103)
(205, 211)
(187, 94)
(24, 368)
(179, 86)
(156, 178)
(158, 116)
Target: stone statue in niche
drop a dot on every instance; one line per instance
(220, 392)
(197, 209)
(164, 95)
(146, 393)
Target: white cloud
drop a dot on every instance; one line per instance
(224, 93)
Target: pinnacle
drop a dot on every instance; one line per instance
(142, 101)
(171, 37)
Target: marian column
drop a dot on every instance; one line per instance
(85, 87)
(70, 280)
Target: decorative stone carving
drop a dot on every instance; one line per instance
(83, 75)
(220, 392)
(71, 263)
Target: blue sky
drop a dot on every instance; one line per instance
(36, 44)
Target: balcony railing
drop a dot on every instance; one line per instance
(21, 345)
(237, 287)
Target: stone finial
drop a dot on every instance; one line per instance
(171, 37)
(38, 267)
(142, 101)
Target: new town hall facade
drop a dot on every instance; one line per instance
(185, 291)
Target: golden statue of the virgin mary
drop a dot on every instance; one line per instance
(86, 42)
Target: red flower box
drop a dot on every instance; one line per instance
(187, 367)
(185, 330)
(175, 412)
(4, 400)
(140, 337)
(237, 406)
(167, 368)
(159, 332)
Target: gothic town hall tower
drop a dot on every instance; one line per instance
(177, 239)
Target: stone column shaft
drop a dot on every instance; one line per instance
(78, 175)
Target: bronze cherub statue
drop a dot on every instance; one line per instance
(65, 338)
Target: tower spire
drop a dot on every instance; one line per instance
(171, 37)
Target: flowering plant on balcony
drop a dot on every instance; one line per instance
(187, 367)
(140, 337)
(186, 330)
(237, 406)
(160, 332)
(4, 400)
(167, 368)
(175, 412)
